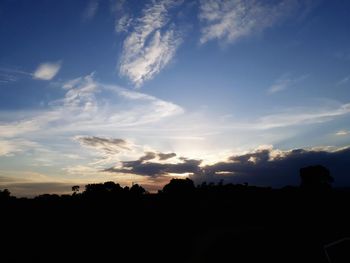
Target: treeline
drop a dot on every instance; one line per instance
(174, 187)
(313, 178)
(183, 222)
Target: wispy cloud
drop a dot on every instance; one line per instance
(91, 10)
(11, 147)
(109, 145)
(150, 46)
(82, 111)
(90, 107)
(108, 149)
(284, 82)
(112, 150)
(343, 55)
(123, 23)
(100, 115)
(292, 117)
(302, 115)
(117, 5)
(27, 125)
(123, 18)
(6, 78)
(47, 71)
(343, 81)
(342, 133)
(231, 20)
(9, 75)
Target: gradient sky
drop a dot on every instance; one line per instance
(118, 90)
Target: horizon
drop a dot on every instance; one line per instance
(240, 91)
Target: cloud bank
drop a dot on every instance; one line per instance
(265, 167)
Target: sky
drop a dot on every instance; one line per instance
(145, 91)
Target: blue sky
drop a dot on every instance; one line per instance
(101, 90)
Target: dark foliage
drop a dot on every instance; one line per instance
(183, 223)
(4, 194)
(316, 178)
(179, 186)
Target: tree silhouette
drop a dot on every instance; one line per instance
(179, 186)
(75, 189)
(316, 178)
(137, 190)
(5, 194)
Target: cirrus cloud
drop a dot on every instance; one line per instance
(88, 107)
(149, 47)
(231, 20)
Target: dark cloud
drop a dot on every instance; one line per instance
(262, 167)
(266, 167)
(166, 156)
(162, 156)
(155, 169)
(94, 141)
(108, 145)
(148, 156)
